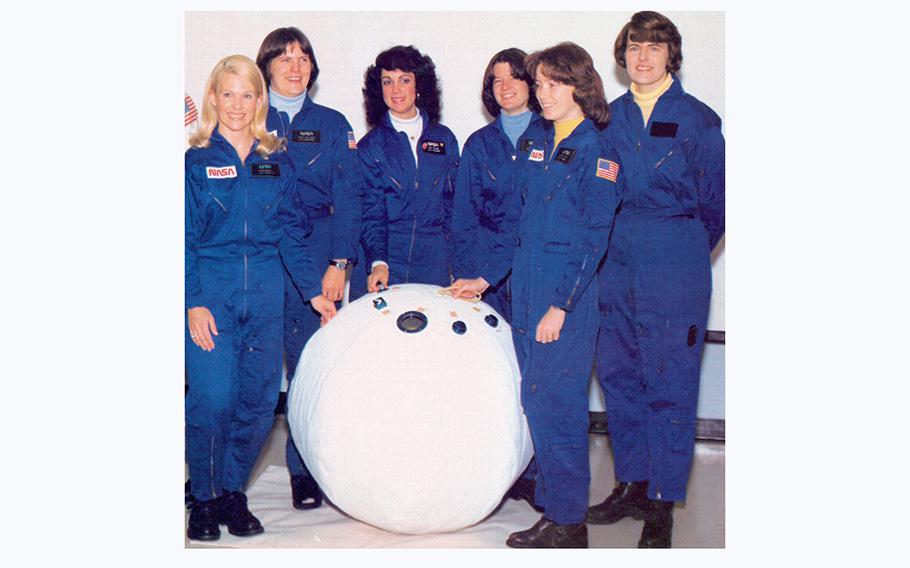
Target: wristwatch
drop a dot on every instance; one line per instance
(339, 264)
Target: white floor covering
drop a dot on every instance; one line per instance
(697, 524)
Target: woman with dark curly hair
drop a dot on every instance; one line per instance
(409, 162)
(571, 187)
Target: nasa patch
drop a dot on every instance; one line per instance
(265, 170)
(305, 136)
(216, 172)
(536, 156)
(431, 147)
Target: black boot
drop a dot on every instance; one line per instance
(305, 492)
(627, 500)
(203, 524)
(658, 525)
(547, 534)
(524, 489)
(234, 513)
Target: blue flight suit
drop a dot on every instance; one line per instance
(321, 143)
(407, 207)
(487, 209)
(656, 285)
(243, 222)
(570, 197)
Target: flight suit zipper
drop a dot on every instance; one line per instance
(407, 272)
(246, 199)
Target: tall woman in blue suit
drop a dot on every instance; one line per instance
(571, 189)
(409, 160)
(243, 224)
(656, 280)
(320, 142)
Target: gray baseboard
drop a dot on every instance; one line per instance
(705, 428)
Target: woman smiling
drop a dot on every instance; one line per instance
(409, 160)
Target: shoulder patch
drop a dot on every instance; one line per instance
(352, 142)
(607, 169)
(215, 172)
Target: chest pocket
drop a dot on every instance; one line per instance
(559, 205)
(220, 194)
(310, 156)
(433, 193)
(391, 184)
(670, 171)
(266, 190)
(431, 169)
(488, 200)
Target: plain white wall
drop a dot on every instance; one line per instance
(461, 44)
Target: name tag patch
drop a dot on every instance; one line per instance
(305, 136)
(536, 156)
(565, 155)
(214, 172)
(526, 144)
(265, 170)
(664, 129)
(431, 147)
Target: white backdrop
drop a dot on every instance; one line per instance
(461, 44)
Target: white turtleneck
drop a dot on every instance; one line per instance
(410, 126)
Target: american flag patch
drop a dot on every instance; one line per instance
(607, 169)
(352, 143)
(189, 111)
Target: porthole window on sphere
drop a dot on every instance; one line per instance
(459, 327)
(412, 322)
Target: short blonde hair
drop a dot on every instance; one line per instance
(247, 69)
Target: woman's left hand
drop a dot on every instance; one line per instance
(333, 283)
(550, 325)
(325, 307)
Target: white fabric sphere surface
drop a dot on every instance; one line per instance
(411, 423)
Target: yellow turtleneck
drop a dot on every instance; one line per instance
(646, 101)
(563, 129)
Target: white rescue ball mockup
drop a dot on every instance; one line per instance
(406, 409)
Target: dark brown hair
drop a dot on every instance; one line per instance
(410, 60)
(516, 60)
(276, 43)
(650, 27)
(570, 64)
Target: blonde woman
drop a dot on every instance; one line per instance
(243, 219)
